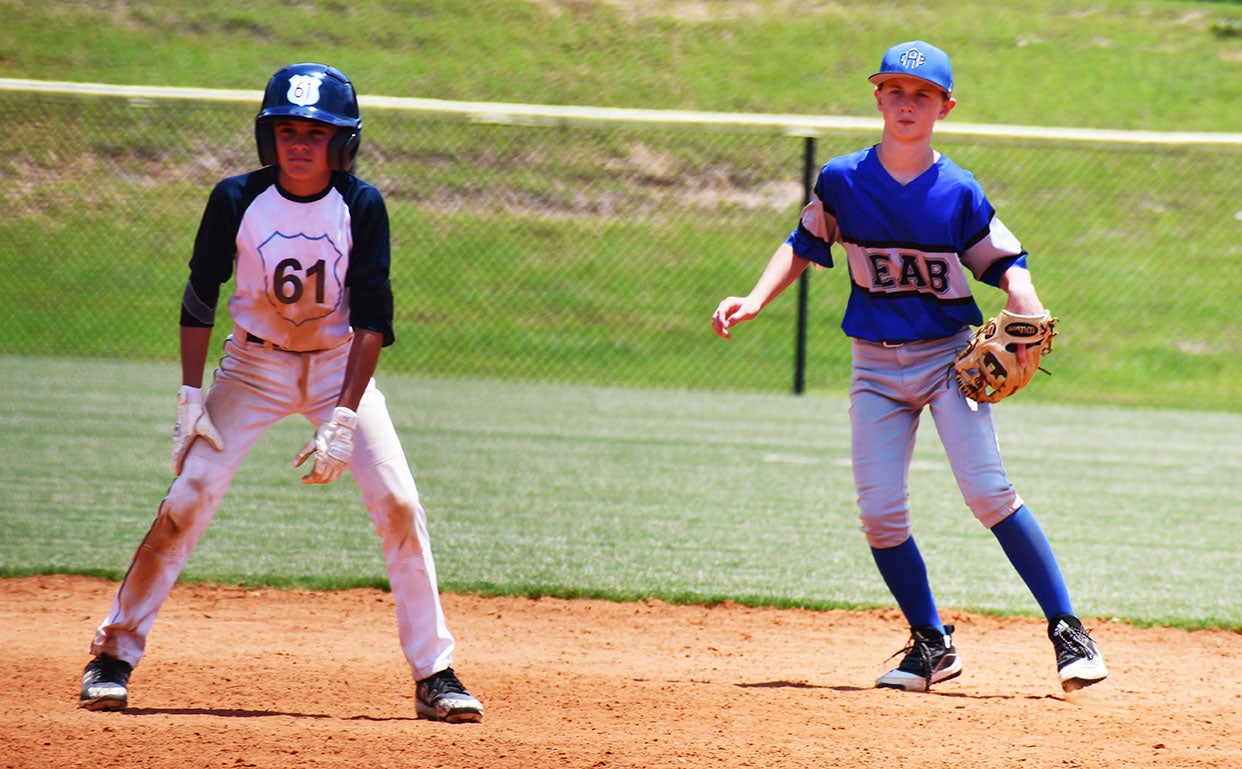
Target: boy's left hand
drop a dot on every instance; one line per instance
(332, 444)
(1003, 355)
(1020, 304)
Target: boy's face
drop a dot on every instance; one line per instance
(302, 153)
(911, 106)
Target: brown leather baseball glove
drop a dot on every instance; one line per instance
(987, 368)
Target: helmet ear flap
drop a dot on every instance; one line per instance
(265, 139)
(344, 148)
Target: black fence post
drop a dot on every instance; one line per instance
(808, 187)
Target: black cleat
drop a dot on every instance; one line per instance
(105, 684)
(1078, 660)
(441, 697)
(930, 658)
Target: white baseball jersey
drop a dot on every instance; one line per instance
(305, 269)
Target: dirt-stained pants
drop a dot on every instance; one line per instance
(254, 388)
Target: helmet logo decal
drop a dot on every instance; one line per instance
(303, 90)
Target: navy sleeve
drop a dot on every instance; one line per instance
(215, 245)
(370, 288)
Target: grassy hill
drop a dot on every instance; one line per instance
(1146, 64)
(1127, 243)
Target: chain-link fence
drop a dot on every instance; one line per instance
(594, 250)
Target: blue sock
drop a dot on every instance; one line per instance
(1028, 549)
(906, 576)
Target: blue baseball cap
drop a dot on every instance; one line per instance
(916, 59)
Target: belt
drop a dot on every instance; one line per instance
(893, 345)
(252, 339)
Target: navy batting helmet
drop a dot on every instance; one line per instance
(311, 92)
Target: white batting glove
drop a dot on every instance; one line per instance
(192, 423)
(332, 444)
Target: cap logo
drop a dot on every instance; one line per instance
(913, 58)
(303, 90)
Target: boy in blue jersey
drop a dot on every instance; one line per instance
(306, 244)
(912, 224)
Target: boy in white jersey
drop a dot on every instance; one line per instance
(307, 244)
(912, 224)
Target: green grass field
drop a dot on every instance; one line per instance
(688, 494)
(625, 493)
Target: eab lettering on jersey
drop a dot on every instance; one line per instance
(906, 271)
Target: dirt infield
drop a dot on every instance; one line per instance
(272, 679)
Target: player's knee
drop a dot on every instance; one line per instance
(174, 531)
(400, 526)
(187, 510)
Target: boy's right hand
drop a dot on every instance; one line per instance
(732, 311)
(192, 422)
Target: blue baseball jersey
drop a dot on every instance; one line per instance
(306, 270)
(908, 246)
